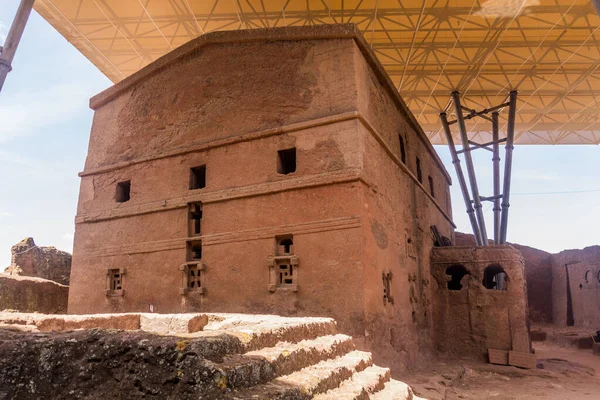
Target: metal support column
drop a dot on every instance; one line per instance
(510, 135)
(470, 168)
(13, 38)
(496, 169)
(461, 179)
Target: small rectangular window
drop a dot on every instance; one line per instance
(402, 150)
(123, 192)
(193, 277)
(195, 219)
(419, 173)
(431, 189)
(114, 284)
(198, 177)
(194, 250)
(286, 161)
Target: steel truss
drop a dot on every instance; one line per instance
(473, 200)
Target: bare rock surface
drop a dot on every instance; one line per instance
(234, 356)
(29, 259)
(29, 294)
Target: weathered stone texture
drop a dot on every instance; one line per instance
(231, 101)
(470, 318)
(538, 274)
(235, 357)
(29, 259)
(547, 284)
(27, 294)
(583, 267)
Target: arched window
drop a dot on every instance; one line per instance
(587, 276)
(402, 149)
(494, 277)
(456, 272)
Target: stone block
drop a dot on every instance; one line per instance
(521, 359)
(173, 323)
(27, 294)
(99, 321)
(499, 357)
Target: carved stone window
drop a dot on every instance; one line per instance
(457, 273)
(191, 278)
(114, 282)
(402, 149)
(286, 161)
(194, 250)
(494, 277)
(195, 219)
(123, 193)
(387, 293)
(198, 177)
(284, 265)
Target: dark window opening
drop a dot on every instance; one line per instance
(387, 293)
(198, 177)
(116, 280)
(195, 219)
(193, 277)
(402, 149)
(286, 273)
(586, 276)
(286, 161)
(494, 277)
(457, 273)
(431, 189)
(419, 173)
(194, 250)
(285, 246)
(123, 191)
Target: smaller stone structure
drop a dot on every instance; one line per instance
(28, 294)
(208, 356)
(29, 259)
(479, 300)
(576, 288)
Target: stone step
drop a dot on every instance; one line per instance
(394, 390)
(260, 366)
(266, 331)
(360, 386)
(328, 374)
(314, 379)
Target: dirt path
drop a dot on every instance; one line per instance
(562, 374)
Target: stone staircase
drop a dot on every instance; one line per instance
(235, 356)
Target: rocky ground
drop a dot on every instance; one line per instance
(563, 373)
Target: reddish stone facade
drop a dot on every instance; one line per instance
(480, 300)
(266, 171)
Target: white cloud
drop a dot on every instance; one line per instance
(3, 32)
(5, 214)
(68, 236)
(27, 112)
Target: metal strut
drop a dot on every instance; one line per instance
(7, 52)
(461, 179)
(500, 200)
(510, 136)
(470, 169)
(496, 164)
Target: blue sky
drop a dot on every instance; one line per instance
(45, 125)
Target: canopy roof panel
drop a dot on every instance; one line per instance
(548, 50)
